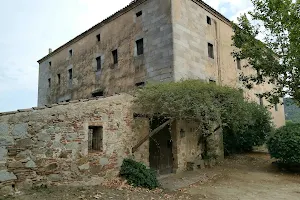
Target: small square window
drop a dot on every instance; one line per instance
(208, 19)
(98, 60)
(210, 50)
(140, 84)
(115, 56)
(138, 14)
(70, 71)
(98, 37)
(98, 94)
(238, 62)
(95, 138)
(212, 81)
(70, 53)
(58, 78)
(50, 64)
(49, 82)
(140, 46)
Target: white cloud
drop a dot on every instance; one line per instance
(230, 8)
(29, 28)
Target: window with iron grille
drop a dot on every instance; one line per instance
(140, 46)
(95, 138)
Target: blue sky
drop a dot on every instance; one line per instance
(30, 27)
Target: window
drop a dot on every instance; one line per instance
(95, 138)
(138, 14)
(115, 56)
(98, 60)
(276, 107)
(208, 19)
(70, 74)
(98, 94)
(238, 62)
(140, 84)
(210, 50)
(261, 101)
(70, 53)
(140, 46)
(98, 37)
(50, 63)
(58, 78)
(212, 81)
(49, 82)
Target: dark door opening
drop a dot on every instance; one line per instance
(160, 149)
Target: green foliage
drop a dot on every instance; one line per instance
(292, 111)
(138, 175)
(277, 58)
(252, 128)
(244, 124)
(284, 145)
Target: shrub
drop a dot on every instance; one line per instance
(251, 127)
(244, 124)
(138, 175)
(284, 145)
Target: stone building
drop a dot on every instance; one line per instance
(89, 138)
(149, 40)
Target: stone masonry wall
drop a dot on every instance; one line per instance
(187, 148)
(155, 64)
(51, 144)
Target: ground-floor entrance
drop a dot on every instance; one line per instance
(160, 149)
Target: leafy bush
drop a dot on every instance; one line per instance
(138, 175)
(284, 145)
(244, 124)
(252, 126)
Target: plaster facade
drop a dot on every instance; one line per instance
(176, 35)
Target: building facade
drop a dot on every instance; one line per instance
(83, 140)
(149, 40)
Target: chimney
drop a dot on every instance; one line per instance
(50, 50)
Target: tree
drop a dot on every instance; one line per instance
(276, 56)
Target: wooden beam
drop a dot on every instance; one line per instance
(151, 134)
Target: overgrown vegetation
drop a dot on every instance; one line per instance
(138, 175)
(292, 111)
(251, 129)
(276, 57)
(245, 124)
(284, 145)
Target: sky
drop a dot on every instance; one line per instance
(30, 27)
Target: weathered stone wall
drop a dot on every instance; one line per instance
(191, 35)
(188, 147)
(51, 144)
(120, 33)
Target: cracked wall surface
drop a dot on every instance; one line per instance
(51, 144)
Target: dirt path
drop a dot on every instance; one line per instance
(247, 178)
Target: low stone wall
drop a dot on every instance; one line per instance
(51, 144)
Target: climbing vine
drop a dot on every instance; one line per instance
(208, 104)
